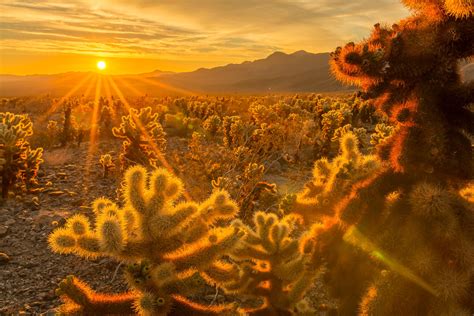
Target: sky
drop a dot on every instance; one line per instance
(136, 36)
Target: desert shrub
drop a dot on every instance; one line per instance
(20, 161)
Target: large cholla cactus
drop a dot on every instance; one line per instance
(20, 162)
(410, 217)
(143, 138)
(276, 265)
(167, 244)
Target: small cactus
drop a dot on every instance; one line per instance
(143, 138)
(274, 264)
(19, 161)
(107, 164)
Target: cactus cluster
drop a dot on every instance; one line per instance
(20, 163)
(143, 138)
(175, 249)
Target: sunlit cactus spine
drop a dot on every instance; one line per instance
(276, 263)
(143, 138)
(19, 160)
(172, 248)
(410, 218)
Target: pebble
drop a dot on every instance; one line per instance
(3, 230)
(4, 258)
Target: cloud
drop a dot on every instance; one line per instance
(188, 29)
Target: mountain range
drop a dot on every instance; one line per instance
(300, 71)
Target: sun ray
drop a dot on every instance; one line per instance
(94, 127)
(356, 238)
(57, 104)
(165, 86)
(108, 95)
(154, 147)
(88, 91)
(124, 83)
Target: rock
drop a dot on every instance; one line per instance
(4, 258)
(9, 222)
(3, 230)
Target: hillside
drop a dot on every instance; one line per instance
(278, 73)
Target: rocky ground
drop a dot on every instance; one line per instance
(29, 271)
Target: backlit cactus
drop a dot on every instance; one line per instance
(276, 264)
(334, 179)
(143, 138)
(19, 161)
(107, 164)
(172, 248)
(409, 218)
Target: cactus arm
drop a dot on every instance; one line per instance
(80, 297)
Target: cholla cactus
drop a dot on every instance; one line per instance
(53, 131)
(19, 160)
(167, 244)
(410, 217)
(235, 132)
(212, 124)
(32, 160)
(107, 164)
(334, 179)
(2, 158)
(275, 265)
(359, 132)
(69, 126)
(382, 133)
(251, 191)
(143, 138)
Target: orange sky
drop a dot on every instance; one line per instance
(53, 36)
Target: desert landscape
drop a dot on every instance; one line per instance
(293, 183)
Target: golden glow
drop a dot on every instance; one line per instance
(356, 238)
(101, 65)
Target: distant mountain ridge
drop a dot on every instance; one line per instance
(300, 71)
(280, 72)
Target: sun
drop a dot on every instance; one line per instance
(101, 65)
